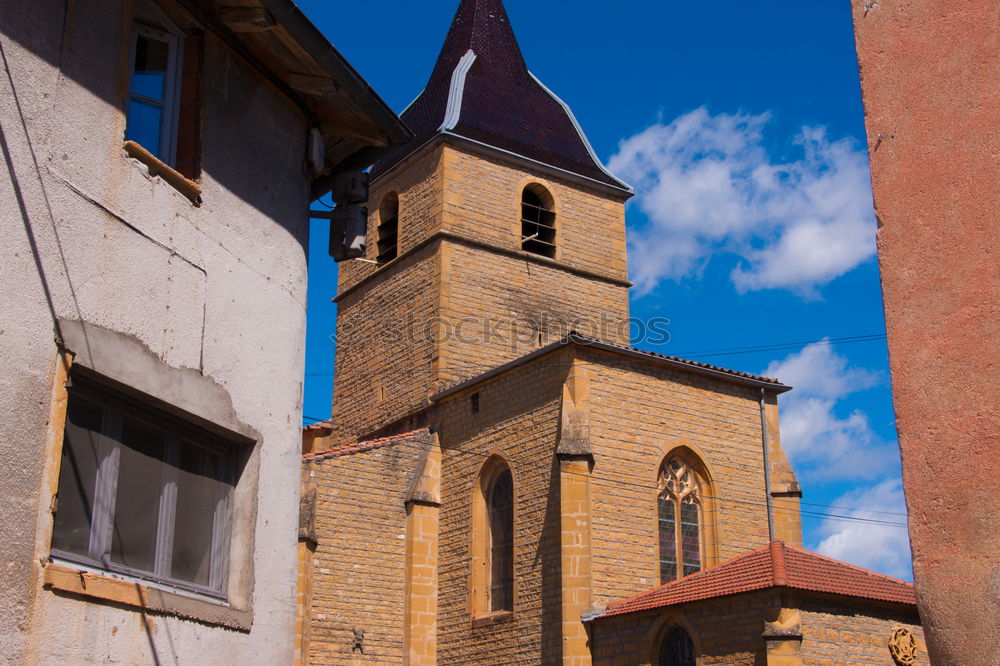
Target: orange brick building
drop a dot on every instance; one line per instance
(501, 469)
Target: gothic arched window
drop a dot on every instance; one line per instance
(676, 649)
(679, 506)
(500, 506)
(388, 228)
(538, 221)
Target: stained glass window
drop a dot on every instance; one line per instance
(679, 514)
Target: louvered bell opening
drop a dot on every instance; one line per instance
(538, 225)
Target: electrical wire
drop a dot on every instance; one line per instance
(734, 351)
(758, 504)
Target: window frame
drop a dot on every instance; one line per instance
(696, 495)
(387, 251)
(546, 218)
(481, 578)
(174, 38)
(508, 583)
(116, 407)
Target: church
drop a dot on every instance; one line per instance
(504, 479)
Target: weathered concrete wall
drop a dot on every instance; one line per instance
(218, 290)
(929, 73)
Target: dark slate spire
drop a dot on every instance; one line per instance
(481, 90)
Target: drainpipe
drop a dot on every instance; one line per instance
(767, 467)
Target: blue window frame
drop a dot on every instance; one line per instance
(154, 85)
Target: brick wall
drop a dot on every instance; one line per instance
(725, 631)
(556, 300)
(639, 412)
(835, 632)
(451, 310)
(384, 350)
(519, 417)
(482, 199)
(360, 559)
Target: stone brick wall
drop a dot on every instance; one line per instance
(360, 559)
(418, 183)
(384, 350)
(729, 630)
(482, 200)
(461, 305)
(639, 413)
(725, 631)
(502, 312)
(519, 417)
(837, 633)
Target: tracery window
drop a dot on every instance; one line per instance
(676, 649)
(679, 505)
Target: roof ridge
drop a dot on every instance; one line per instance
(584, 341)
(778, 571)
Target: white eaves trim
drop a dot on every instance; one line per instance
(456, 91)
(579, 131)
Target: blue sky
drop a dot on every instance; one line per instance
(741, 127)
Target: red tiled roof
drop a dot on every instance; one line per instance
(319, 425)
(776, 565)
(362, 447)
(497, 100)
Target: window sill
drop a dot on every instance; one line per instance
(175, 179)
(500, 617)
(66, 579)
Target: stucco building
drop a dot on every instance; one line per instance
(503, 474)
(159, 159)
(929, 74)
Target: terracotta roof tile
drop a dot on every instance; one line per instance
(362, 447)
(775, 565)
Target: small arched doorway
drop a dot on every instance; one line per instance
(676, 648)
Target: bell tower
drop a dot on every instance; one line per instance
(495, 231)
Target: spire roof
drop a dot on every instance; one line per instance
(481, 90)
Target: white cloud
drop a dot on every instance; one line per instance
(878, 538)
(822, 445)
(708, 186)
(819, 371)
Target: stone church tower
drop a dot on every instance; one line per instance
(494, 232)
(502, 469)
